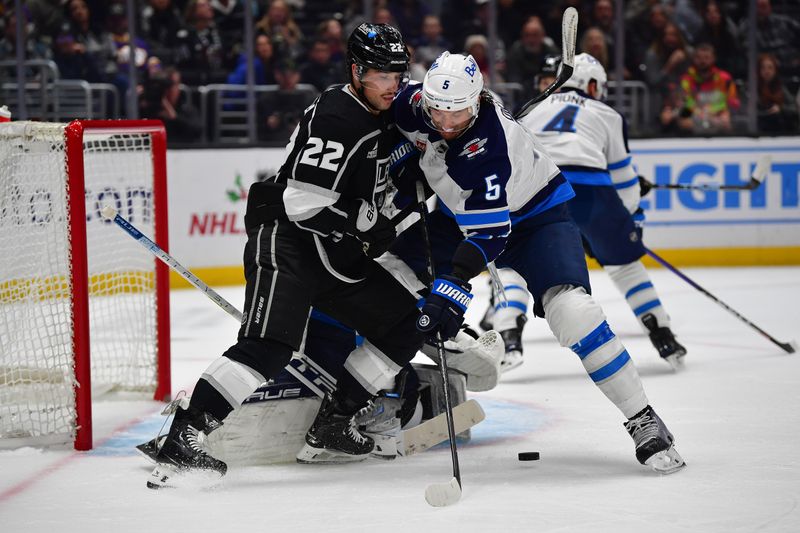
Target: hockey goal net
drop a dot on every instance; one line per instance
(84, 309)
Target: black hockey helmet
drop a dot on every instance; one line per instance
(550, 65)
(377, 46)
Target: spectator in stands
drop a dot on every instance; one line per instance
(526, 55)
(720, 31)
(319, 70)
(229, 18)
(595, 44)
(279, 23)
(331, 31)
(686, 14)
(117, 24)
(665, 61)
(407, 15)
(279, 112)
(161, 27)
(82, 51)
(778, 35)
(47, 15)
(709, 95)
(777, 110)
(478, 47)
(641, 31)
(602, 18)
(200, 53)
(264, 63)
(477, 24)
(162, 99)
(34, 48)
(431, 42)
(383, 15)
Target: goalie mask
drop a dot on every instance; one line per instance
(587, 68)
(453, 83)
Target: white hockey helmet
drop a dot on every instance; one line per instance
(453, 82)
(587, 68)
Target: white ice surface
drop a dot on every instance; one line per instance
(734, 409)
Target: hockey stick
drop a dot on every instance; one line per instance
(440, 494)
(109, 213)
(759, 173)
(788, 347)
(569, 29)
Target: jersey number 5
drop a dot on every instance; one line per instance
(329, 160)
(564, 121)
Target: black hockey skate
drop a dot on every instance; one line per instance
(654, 442)
(334, 438)
(513, 341)
(664, 341)
(183, 449)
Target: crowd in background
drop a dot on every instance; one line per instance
(691, 54)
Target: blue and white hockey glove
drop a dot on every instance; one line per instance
(444, 309)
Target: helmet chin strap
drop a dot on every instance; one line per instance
(359, 91)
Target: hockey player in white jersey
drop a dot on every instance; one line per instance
(502, 199)
(588, 141)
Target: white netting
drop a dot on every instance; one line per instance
(36, 362)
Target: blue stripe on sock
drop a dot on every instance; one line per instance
(598, 337)
(639, 287)
(646, 307)
(611, 368)
(517, 305)
(513, 287)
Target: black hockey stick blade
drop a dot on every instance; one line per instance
(762, 168)
(569, 30)
(443, 494)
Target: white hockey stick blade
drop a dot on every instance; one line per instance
(443, 494)
(763, 166)
(433, 431)
(569, 30)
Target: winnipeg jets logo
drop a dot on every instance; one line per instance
(424, 321)
(474, 147)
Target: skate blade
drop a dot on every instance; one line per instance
(310, 455)
(386, 446)
(167, 476)
(511, 360)
(149, 449)
(666, 462)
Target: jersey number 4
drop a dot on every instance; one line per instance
(564, 121)
(329, 159)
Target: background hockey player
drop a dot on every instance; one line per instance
(312, 234)
(587, 139)
(502, 198)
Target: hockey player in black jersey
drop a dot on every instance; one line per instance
(313, 232)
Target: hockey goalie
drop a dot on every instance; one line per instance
(272, 422)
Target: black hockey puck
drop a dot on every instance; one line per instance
(528, 456)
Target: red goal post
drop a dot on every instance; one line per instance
(84, 309)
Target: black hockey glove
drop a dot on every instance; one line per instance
(372, 228)
(444, 309)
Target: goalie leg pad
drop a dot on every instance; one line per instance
(633, 281)
(579, 323)
(478, 358)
